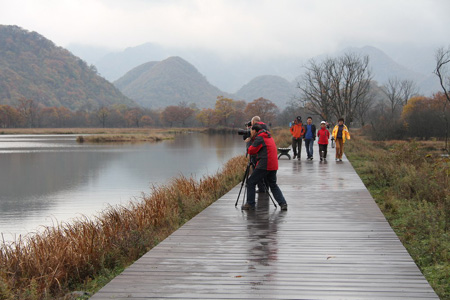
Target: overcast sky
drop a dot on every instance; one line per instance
(231, 27)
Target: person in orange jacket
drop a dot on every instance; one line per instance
(340, 134)
(297, 131)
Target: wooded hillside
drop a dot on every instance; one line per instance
(32, 67)
(168, 82)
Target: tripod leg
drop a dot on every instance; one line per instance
(268, 193)
(245, 194)
(273, 201)
(244, 180)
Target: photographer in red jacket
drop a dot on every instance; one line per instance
(263, 146)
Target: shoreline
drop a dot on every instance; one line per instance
(89, 252)
(123, 131)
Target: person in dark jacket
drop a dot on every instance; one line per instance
(263, 146)
(309, 137)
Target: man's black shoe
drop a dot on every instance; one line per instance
(284, 207)
(295, 155)
(247, 206)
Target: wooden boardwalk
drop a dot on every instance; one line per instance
(332, 243)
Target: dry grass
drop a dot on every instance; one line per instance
(282, 137)
(124, 138)
(49, 264)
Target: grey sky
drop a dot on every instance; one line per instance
(262, 29)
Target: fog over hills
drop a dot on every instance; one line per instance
(227, 74)
(384, 67)
(54, 77)
(232, 74)
(168, 82)
(275, 88)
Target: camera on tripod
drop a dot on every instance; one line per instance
(246, 133)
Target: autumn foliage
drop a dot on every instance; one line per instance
(426, 117)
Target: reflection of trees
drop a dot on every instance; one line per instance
(223, 144)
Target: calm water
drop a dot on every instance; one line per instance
(51, 177)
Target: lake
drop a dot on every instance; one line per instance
(49, 178)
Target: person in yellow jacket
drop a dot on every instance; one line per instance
(340, 135)
(297, 131)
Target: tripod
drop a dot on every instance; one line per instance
(244, 181)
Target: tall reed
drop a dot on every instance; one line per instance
(51, 263)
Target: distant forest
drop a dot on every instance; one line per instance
(422, 117)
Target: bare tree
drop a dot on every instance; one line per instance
(408, 89)
(316, 87)
(442, 63)
(336, 86)
(392, 90)
(366, 104)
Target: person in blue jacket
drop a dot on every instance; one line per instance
(309, 137)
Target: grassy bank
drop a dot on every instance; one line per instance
(87, 253)
(410, 183)
(409, 180)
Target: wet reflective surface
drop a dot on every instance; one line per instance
(44, 178)
(332, 243)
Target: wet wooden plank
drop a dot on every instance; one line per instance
(332, 243)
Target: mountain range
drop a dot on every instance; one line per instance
(230, 75)
(174, 80)
(32, 67)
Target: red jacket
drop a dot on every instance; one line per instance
(263, 146)
(324, 136)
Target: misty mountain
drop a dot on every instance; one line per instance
(90, 54)
(159, 84)
(32, 67)
(232, 73)
(274, 88)
(114, 65)
(227, 74)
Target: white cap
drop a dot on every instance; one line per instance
(323, 122)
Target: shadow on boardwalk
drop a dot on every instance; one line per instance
(332, 243)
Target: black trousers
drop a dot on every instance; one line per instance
(323, 148)
(271, 177)
(297, 146)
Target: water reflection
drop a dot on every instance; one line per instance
(46, 177)
(262, 227)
